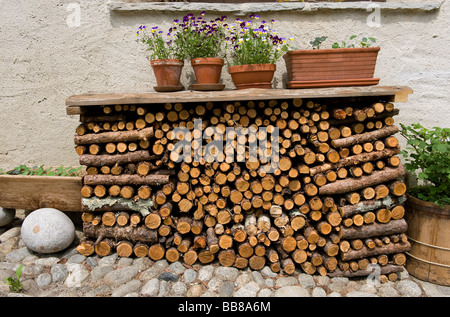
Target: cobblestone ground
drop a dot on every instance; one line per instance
(69, 274)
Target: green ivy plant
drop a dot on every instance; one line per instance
(427, 155)
(14, 283)
(317, 42)
(364, 42)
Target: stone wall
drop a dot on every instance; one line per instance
(46, 57)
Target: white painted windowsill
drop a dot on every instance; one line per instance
(246, 8)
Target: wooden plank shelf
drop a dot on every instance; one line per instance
(391, 93)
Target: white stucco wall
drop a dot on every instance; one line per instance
(43, 61)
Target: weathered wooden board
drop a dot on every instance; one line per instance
(33, 192)
(73, 103)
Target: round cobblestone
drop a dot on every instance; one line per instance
(68, 273)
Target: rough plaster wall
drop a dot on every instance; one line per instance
(43, 61)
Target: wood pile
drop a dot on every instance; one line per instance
(332, 206)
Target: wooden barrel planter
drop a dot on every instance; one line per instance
(429, 235)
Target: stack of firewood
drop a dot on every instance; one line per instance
(332, 204)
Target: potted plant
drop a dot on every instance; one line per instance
(345, 64)
(204, 45)
(255, 48)
(166, 58)
(427, 157)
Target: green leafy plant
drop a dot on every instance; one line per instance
(42, 171)
(364, 42)
(255, 42)
(317, 42)
(198, 37)
(14, 283)
(428, 157)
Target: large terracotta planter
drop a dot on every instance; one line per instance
(252, 75)
(331, 67)
(168, 74)
(429, 235)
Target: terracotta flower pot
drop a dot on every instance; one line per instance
(252, 75)
(331, 67)
(167, 72)
(207, 69)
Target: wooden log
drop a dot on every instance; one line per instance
(383, 215)
(124, 249)
(225, 241)
(365, 252)
(122, 218)
(172, 254)
(263, 223)
(135, 219)
(226, 257)
(375, 229)
(387, 269)
(119, 136)
(355, 159)
(365, 137)
(86, 247)
(299, 256)
(190, 257)
(104, 247)
(183, 225)
(397, 188)
(156, 251)
(152, 220)
(205, 256)
(154, 180)
(100, 191)
(105, 159)
(108, 218)
(140, 250)
(370, 205)
(130, 233)
(126, 192)
(348, 185)
(257, 262)
(288, 244)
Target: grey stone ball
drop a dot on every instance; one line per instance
(47, 230)
(6, 216)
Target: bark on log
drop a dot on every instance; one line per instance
(130, 233)
(354, 159)
(370, 205)
(375, 229)
(365, 252)
(119, 136)
(105, 159)
(387, 269)
(365, 137)
(125, 179)
(351, 184)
